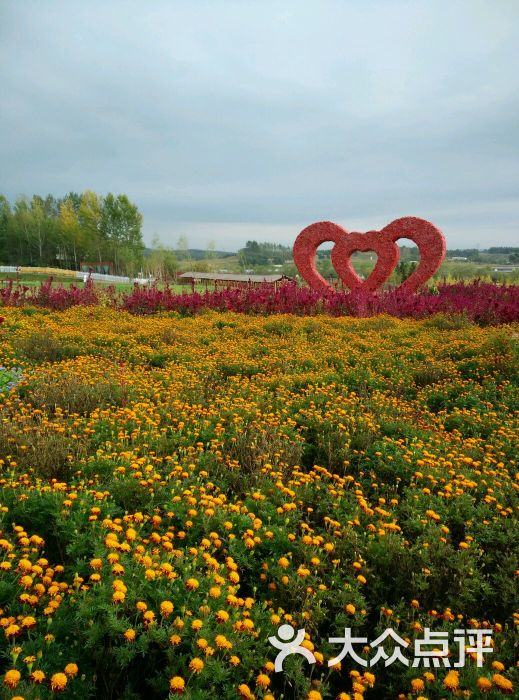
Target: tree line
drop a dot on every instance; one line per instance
(65, 232)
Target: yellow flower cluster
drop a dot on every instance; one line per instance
(172, 490)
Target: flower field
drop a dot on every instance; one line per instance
(173, 489)
(484, 303)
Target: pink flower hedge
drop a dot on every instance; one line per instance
(481, 302)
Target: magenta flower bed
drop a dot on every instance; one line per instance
(481, 302)
(56, 298)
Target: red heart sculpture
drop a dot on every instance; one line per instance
(428, 238)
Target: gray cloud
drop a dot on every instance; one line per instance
(231, 120)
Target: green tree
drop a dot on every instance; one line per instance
(162, 262)
(72, 238)
(121, 225)
(210, 253)
(183, 248)
(5, 218)
(89, 217)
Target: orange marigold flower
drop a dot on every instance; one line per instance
(58, 682)
(502, 683)
(484, 684)
(37, 676)
(28, 622)
(417, 685)
(71, 670)
(245, 692)
(262, 681)
(222, 616)
(177, 685)
(196, 665)
(166, 608)
(130, 635)
(452, 680)
(12, 678)
(192, 584)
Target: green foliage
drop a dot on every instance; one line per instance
(54, 232)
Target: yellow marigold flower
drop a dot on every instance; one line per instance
(166, 608)
(314, 695)
(37, 676)
(12, 678)
(452, 680)
(28, 622)
(498, 666)
(215, 592)
(177, 685)
(192, 584)
(71, 670)
(196, 665)
(96, 564)
(141, 606)
(284, 563)
(222, 642)
(350, 609)
(502, 683)
(174, 640)
(234, 660)
(417, 685)
(118, 597)
(484, 684)
(369, 679)
(149, 617)
(222, 616)
(262, 681)
(130, 635)
(58, 682)
(245, 692)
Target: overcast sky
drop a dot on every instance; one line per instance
(229, 120)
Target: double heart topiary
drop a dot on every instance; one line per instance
(428, 238)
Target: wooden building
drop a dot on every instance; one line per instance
(225, 281)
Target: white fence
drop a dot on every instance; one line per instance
(75, 274)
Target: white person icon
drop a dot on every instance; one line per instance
(290, 645)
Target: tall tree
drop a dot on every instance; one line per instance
(5, 218)
(162, 262)
(72, 237)
(89, 216)
(121, 224)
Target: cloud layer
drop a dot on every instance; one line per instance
(232, 120)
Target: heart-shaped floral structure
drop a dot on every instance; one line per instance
(428, 238)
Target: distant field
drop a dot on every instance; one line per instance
(450, 271)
